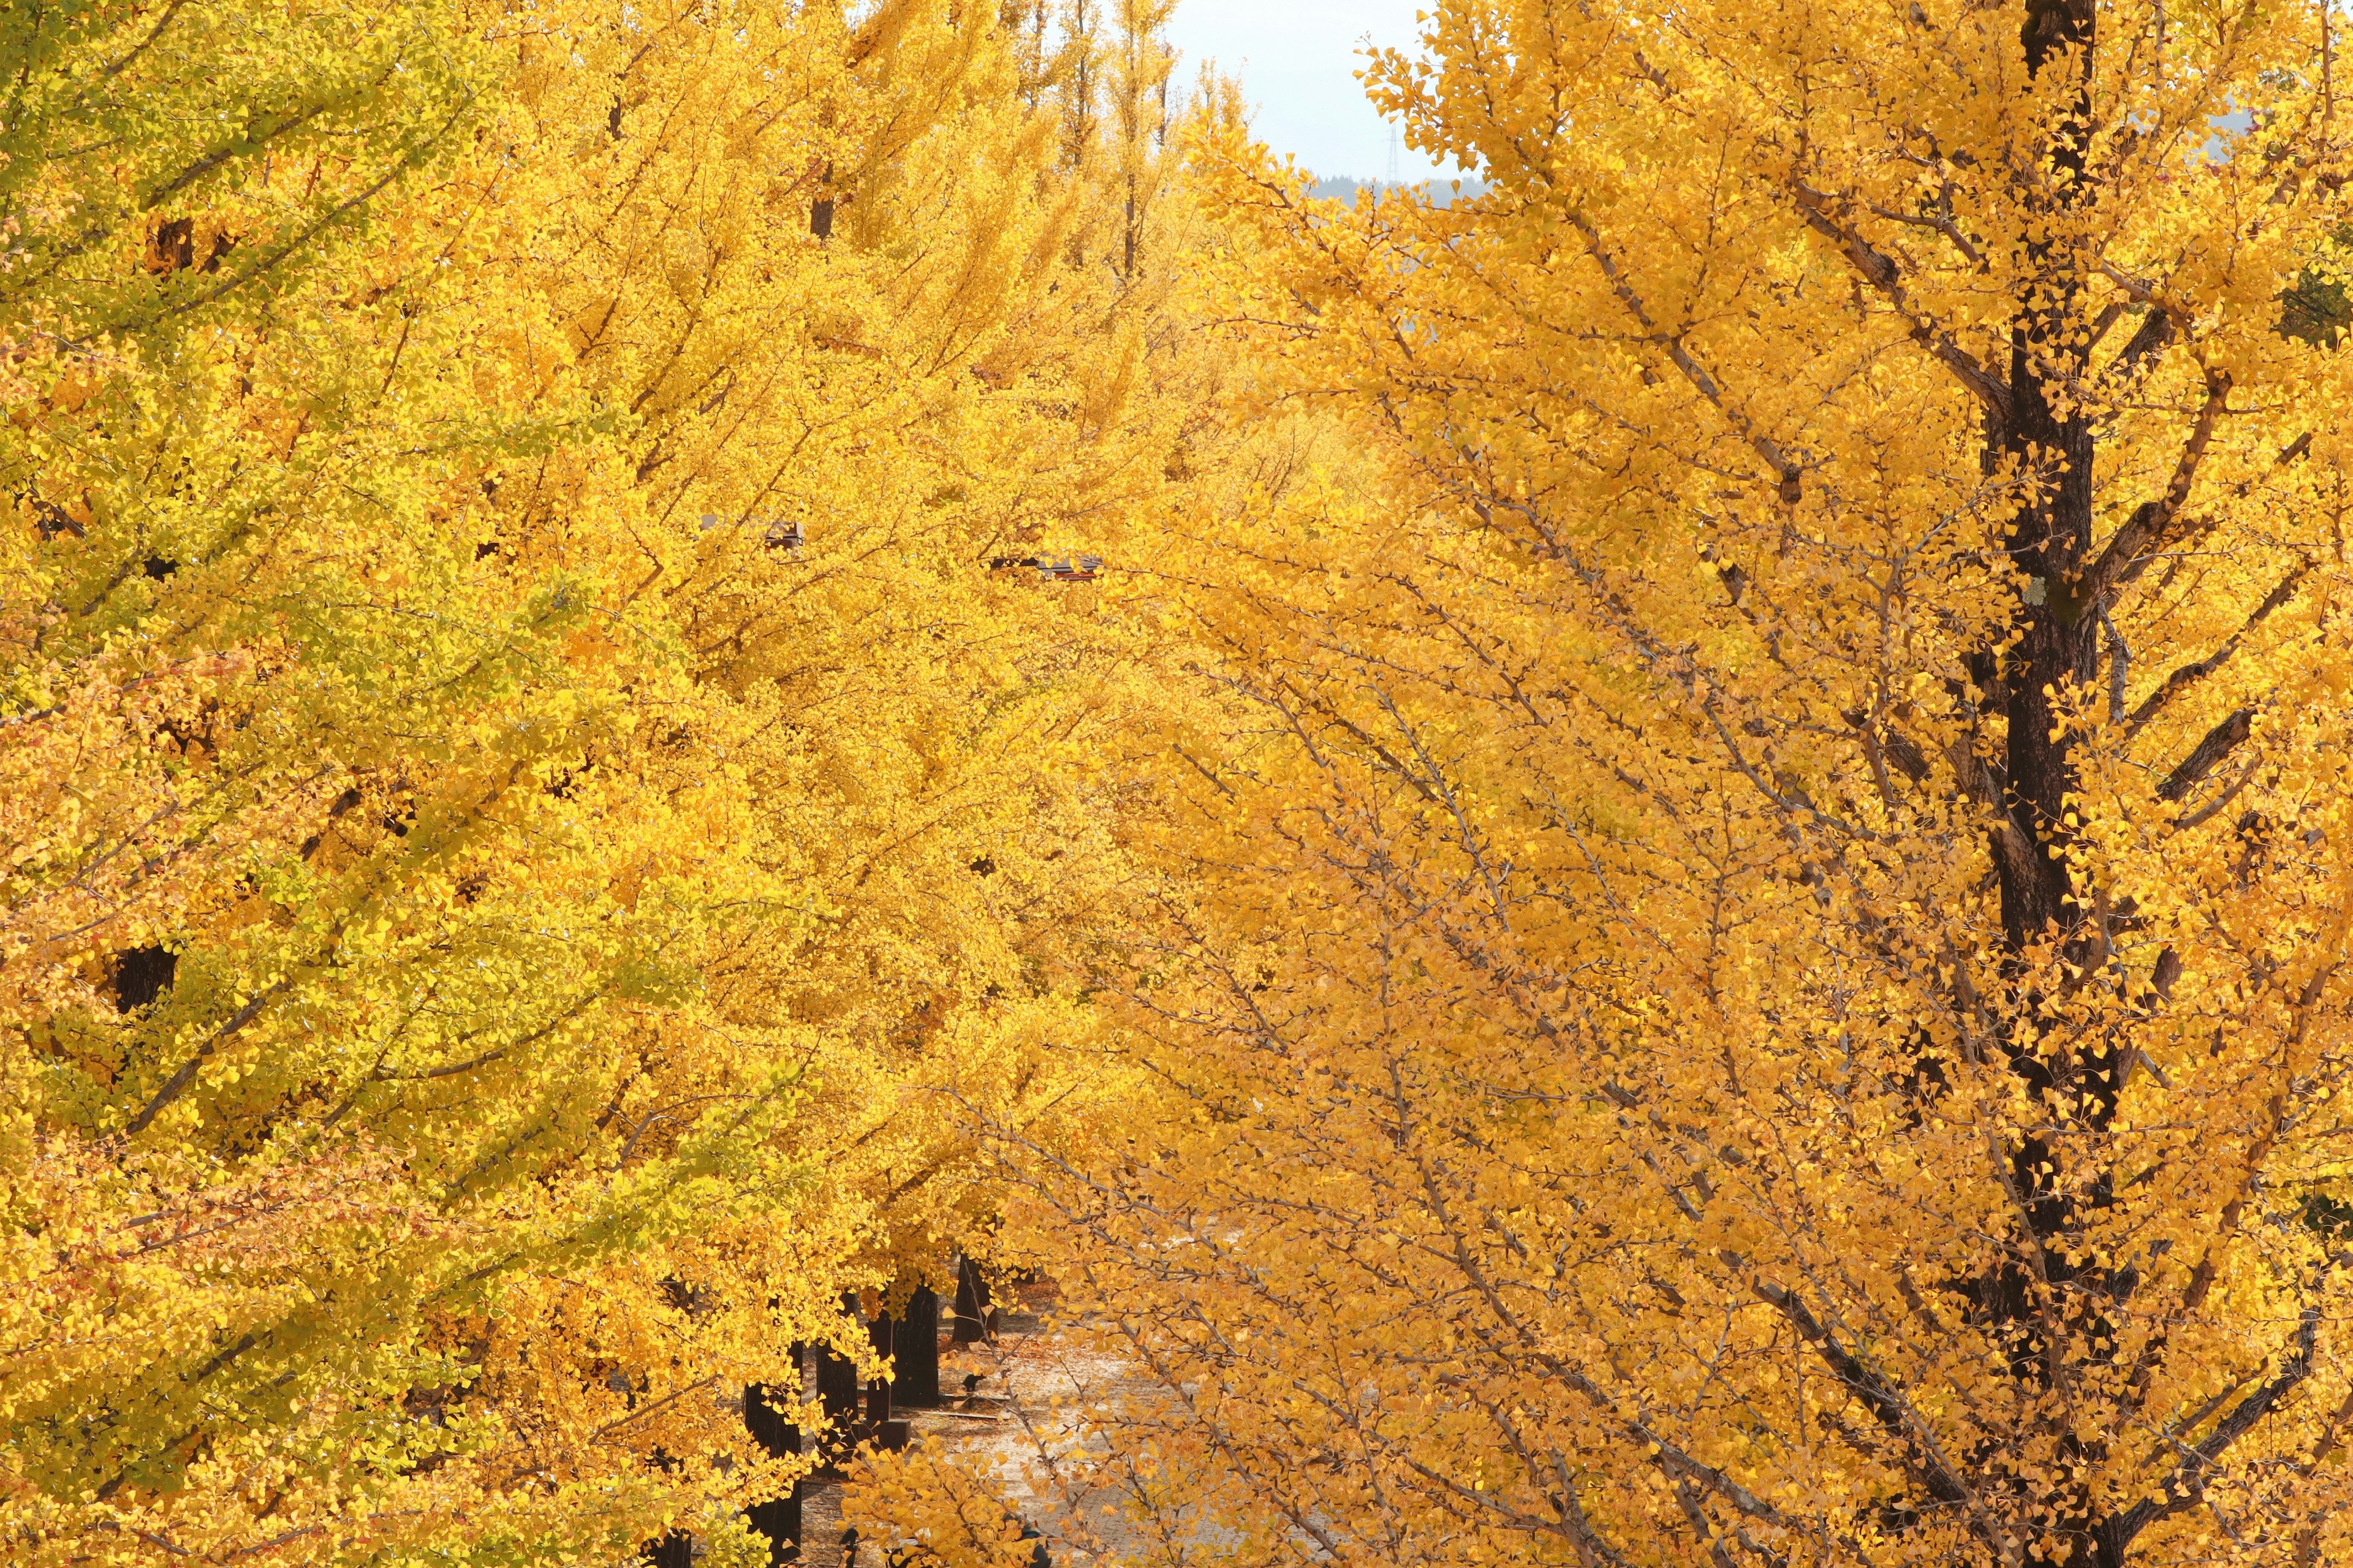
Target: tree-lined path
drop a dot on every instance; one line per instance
(1644, 866)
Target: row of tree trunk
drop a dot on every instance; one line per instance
(853, 1414)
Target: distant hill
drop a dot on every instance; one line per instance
(1442, 192)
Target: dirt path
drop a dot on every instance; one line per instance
(1027, 1384)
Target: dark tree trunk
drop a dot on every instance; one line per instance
(780, 1519)
(837, 1386)
(764, 1416)
(2052, 450)
(882, 1335)
(915, 1357)
(971, 1303)
(2048, 440)
(821, 209)
(142, 975)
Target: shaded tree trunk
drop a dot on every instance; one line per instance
(780, 1519)
(838, 1389)
(883, 1334)
(917, 1353)
(971, 1303)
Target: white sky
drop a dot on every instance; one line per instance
(1296, 59)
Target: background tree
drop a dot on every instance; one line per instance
(1765, 977)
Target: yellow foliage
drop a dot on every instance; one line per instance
(528, 810)
(922, 1500)
(1763, 980)
(1682, 900)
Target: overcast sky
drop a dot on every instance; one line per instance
(1296, 60)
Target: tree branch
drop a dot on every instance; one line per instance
(1879, 270)
(1785, 469)
(2188, 674)
(1944, 1483)
(2181, 1488)
(2155, 332)
(2221, 742)
(2145, 530)
(411, 159)
(177, 1084)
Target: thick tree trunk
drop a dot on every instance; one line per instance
(2048, 442)
(780, 1519)
(2051, 451)
(837, 1387)
(675, 1549)
(882, 1333)
(971, 1303)
(915, 1355)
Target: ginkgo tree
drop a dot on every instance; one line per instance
(526, 802)
(1765, 975)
